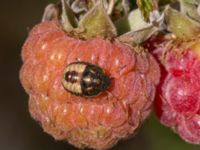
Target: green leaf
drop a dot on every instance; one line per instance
(146, 7)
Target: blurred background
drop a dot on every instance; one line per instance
(18, 131)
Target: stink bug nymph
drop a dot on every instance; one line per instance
(85, 79)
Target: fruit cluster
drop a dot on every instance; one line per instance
(92, 80)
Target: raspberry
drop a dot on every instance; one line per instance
(177, 102)
(96, 122)
(176, 48)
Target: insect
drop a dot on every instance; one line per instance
(85, 79)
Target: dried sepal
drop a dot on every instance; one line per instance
(137, 37)
(79, 6)
(181, 25)
(190, 9)
(67, 17)
(51, 12)
(96, 23)
(126, 6)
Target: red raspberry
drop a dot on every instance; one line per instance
(178, 99)
(97, 122)
(177, 49)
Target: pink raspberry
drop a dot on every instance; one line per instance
(178, 98)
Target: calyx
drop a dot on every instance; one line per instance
(108, 19)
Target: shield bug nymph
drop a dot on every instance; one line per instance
(85, 79)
